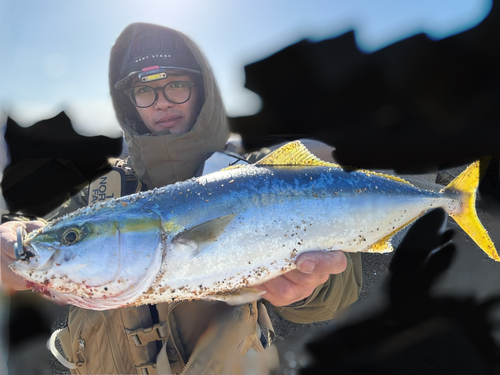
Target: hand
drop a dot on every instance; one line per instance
(8, 237)
(313, 269)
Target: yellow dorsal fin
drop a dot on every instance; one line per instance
(232, 167)
(294, 153)
(388, 176)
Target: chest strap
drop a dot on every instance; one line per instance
(143, 336)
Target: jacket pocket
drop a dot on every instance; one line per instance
(73, 343)
(89, 342)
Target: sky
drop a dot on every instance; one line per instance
(55, 53)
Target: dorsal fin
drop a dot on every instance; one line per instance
(294, 153)
(236, 166)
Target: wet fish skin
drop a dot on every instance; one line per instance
(218, 235)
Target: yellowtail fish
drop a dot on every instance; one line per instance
(217, 236)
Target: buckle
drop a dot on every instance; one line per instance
(147, 368)
(144, 336)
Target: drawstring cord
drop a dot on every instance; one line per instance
(51, 345)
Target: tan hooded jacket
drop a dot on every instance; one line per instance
(161, 159)
(193, 337)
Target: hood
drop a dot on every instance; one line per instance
(162, 158)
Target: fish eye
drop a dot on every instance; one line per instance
(71, 235)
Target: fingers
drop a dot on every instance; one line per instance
(34, 225)
(282, 292)
(322, 262)
(10, 281)
(8, 234)
(313, 269)
(8, 239)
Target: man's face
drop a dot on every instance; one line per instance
(178, 118)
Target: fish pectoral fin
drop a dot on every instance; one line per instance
(239, 297)
(294, 153)
(203, 233)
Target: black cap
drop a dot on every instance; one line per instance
(154, 46)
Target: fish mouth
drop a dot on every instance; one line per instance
(33, 262)
(26, 254)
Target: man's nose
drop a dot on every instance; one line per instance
(161, 100)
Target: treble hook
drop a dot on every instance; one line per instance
(18, 247)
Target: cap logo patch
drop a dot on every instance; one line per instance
(152, 56)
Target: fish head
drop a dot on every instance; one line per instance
(93, 261)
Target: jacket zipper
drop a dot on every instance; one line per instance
(175, 304)
(81, 341)
(81, 349)
(186, 367)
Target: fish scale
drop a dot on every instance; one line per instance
(219, 235)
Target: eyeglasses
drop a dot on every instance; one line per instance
(176, 92)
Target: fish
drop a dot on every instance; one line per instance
(217, 236)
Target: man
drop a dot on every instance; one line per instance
(171, 112)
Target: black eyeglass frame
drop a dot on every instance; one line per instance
(128, 92)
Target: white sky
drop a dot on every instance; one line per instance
(55, 53)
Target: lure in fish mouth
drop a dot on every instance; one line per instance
(67, 261)
(24, 254)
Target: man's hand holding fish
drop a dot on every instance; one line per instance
(313, 269)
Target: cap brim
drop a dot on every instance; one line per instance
(123, 83)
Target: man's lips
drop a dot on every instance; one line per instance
(168, 120)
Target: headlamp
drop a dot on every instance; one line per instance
(152, 73)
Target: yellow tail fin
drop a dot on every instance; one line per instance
(466, 184)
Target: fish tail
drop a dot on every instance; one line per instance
(466, 185)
